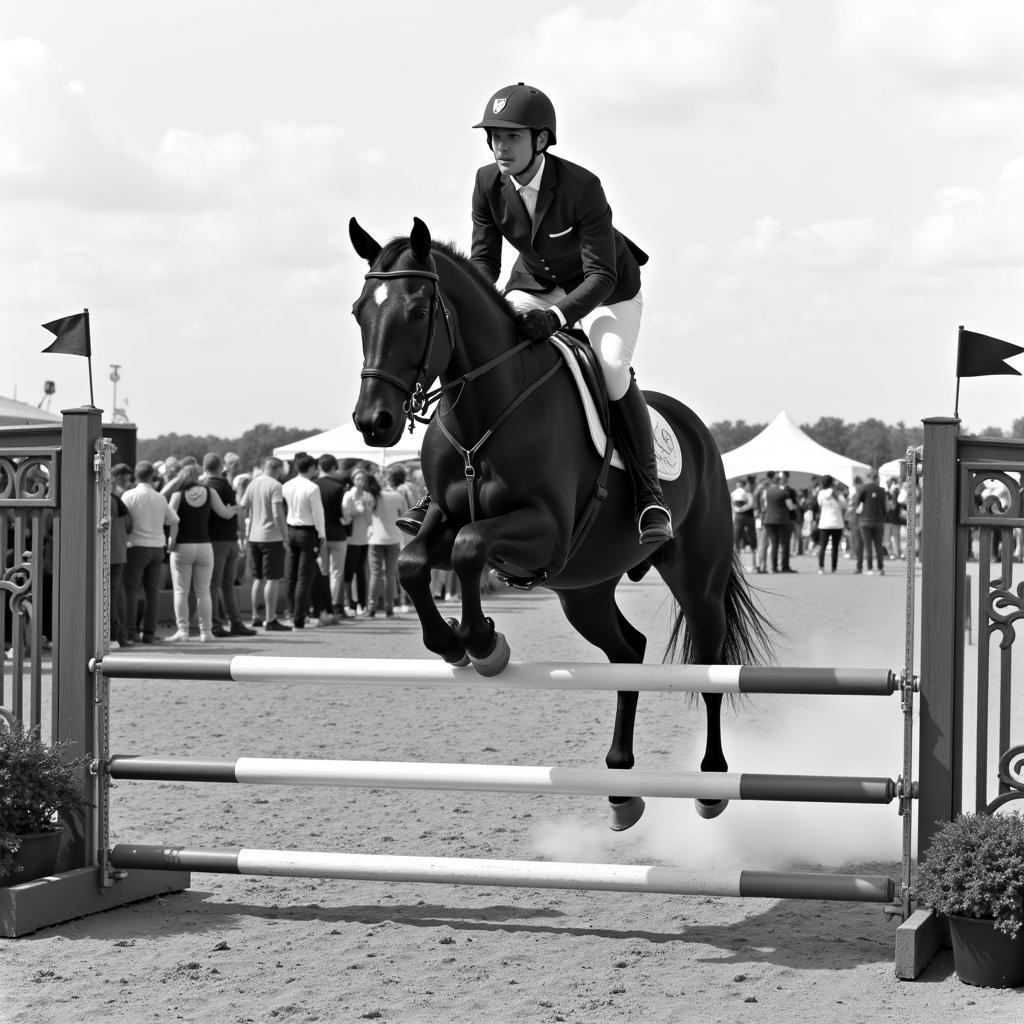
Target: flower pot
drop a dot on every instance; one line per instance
(983, 955)
(37, 856)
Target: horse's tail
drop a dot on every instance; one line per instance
(748, 632)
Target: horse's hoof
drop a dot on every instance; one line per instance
(710, 808)
(496, 661)
(456, 657)
(626, 813)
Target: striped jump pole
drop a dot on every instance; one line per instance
(384, 672)
(506, 779)
(523, 874)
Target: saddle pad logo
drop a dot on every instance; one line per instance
(666, 447)
(499, 105)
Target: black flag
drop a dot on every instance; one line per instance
(72, 335)
(978, 355)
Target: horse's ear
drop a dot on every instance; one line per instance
(419, 239)
(364, 245)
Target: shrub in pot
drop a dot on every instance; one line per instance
(973, 872)
(36, 785)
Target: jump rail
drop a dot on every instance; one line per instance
(505, 778)
(383, 672)
(530, 874)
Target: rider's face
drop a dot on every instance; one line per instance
(512, 149)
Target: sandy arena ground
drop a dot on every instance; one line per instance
(240, 949)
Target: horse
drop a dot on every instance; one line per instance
(512, 471)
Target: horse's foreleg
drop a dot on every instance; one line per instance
(521, 538)
(432, 546)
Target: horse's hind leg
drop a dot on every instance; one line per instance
(592, 612)
(699, 587)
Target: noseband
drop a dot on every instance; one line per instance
(416, 404)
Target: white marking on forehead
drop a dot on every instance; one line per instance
(381, 293)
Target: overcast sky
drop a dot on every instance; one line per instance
(827, 189)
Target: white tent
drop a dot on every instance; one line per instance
(15, 413)
(782, 445)
(345, 442)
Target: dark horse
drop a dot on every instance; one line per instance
(511, 468)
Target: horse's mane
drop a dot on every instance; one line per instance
(393, 249)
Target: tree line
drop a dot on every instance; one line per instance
(255, 445)
(870, 441)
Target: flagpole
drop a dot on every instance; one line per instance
(956, 401)
(88, 342)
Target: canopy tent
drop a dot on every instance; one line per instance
(889, 471)
(782, 445)
(345, 442)
(14, 413)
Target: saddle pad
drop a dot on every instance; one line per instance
(666, 444)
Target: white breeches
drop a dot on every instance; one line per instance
(613, 331)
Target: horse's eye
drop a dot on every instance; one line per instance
(420, 313)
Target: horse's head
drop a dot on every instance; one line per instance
(406, 336)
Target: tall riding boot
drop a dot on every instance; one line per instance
(632, 426)
(412, 520)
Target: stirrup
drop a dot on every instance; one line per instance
(412, 520)
(658, 527)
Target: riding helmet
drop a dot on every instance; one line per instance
(520, 106)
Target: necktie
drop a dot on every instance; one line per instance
(529, 197)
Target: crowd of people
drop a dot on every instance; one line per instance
(316, 543)
(866, 523)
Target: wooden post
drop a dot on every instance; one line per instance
(76, 610)
(942, 635)
(79, 888)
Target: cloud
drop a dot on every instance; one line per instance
(943, 43)
(48, 145)
(971, 227)
(963, 57)
(849, 244)
(655, 55)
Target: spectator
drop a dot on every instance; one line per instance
(227, 621)
(778, 510)
(830, 521)
(744, 531)
(331, 599)
(895, 518)
(306, 536)
(146, 548)
(384, 541)
(870, 501)
(762, 537)
(120, 527)
(855, 547)
(191, 549)
(263, 503)
(794, 516)
(358, 507)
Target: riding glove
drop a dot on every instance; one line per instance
(537, 324)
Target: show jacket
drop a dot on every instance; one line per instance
(571, 243)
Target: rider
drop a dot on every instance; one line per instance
(573, 267)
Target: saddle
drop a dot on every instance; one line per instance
(580, 358)
(586, 370)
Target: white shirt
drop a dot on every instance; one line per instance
(150, 514)
(305, 505)
(534, 183)
(742, 500)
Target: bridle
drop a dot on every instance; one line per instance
(418, 401)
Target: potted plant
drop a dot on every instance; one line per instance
(36, 784)
(973, 873)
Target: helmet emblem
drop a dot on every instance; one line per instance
(499, 104)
